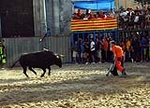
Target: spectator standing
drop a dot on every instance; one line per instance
(137, 10)
(81, 53)
(99, 50)
(147, 19)
(102, 15)
(137, 20)
(128, 47)
(131, 19)
(111, 13)
(2, 54)
(135, 45)
(77, 15)
(104, 48)
(147, 48)
(92, 50)
(142, 19)
(75, 52)
(143, 46)
(88, 15)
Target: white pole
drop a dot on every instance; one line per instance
(44, 22)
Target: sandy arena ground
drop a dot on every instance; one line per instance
(76, 86)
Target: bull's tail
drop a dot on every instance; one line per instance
(14, 63)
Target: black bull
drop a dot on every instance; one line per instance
(42, 59)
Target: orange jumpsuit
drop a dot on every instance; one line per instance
(118, 53)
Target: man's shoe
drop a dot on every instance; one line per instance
(124, 73)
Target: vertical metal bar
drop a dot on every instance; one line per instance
(143, 3)
(60, 21)
(72, 39)
(94, 35)
(78, 36)
(117, 31)
(83, 36)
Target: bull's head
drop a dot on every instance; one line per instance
(59, 61)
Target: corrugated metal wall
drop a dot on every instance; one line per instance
(16, 46)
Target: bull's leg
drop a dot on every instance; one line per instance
(25, 71)
(49, 71)
(44, 71)
(31, 69)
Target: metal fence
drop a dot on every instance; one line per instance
(16, 46)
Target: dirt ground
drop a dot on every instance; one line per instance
(76, 86)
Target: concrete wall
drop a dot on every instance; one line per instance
(58, 16)
(49, 14)
(53, 14)
(39, 11)
(65, 16)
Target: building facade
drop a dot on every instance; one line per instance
(26, 18)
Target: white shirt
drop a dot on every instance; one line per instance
(92, 46)
(136, 19)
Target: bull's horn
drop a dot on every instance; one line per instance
(62, 55)
(45, 49)
(55, 54)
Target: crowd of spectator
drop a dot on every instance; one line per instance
(136, 49)
(96, 50)
(127, 18)
(92, 15)
(134, 18)
(92, 50)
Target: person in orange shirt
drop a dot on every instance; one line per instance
(118, 56)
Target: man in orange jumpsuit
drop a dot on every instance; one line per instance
(118, 56)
